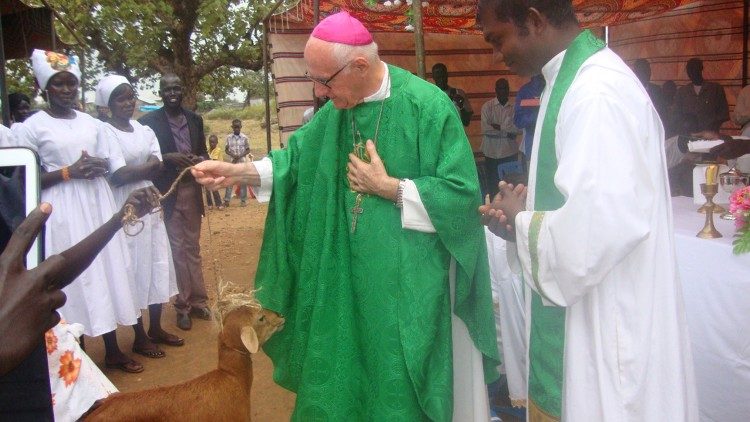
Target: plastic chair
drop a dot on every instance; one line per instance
(511, 167)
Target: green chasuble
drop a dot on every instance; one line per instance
(547, 337)
(368, 317)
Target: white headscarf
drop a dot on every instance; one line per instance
(47, 64)
(106, 86)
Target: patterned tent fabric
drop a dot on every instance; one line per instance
(710, 29)
(458, 16)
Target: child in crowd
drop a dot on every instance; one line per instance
(236, 149)
(214, 153)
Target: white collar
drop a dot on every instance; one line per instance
(552, 68)
(385, 87)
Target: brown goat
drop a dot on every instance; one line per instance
(220, 395)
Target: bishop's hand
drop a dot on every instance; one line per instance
(371, 178)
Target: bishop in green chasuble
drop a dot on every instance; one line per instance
(368, 304)
(368, 313)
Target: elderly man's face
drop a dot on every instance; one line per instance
(342, 85)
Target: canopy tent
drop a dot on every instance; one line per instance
(22, 29)
(451, 37)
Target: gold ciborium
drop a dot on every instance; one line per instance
(709, 230)
(712, 171)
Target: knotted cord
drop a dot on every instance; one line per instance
(130, 217)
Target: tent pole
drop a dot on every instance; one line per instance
(3, 86)
(416, 7)
(316, 19)
(745, 29)
(266, 85)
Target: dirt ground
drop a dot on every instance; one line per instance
(230, 243)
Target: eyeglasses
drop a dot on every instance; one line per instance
(326, 81)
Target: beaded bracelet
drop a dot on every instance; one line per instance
(65, 173)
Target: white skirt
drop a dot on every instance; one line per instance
(103, 296)
(150, 253)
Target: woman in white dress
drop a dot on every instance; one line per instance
(75, 157)
(150, 252)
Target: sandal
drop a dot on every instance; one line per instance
(168, 339)
(154, 353)
(130, 366)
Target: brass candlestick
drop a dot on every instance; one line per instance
(709, 230)
(712, 171)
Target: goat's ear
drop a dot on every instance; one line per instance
(249, 339)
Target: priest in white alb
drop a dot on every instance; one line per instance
(607, 332)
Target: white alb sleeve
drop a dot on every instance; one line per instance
(264, 167)
(413, 213)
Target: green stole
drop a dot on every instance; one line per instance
(547, 339)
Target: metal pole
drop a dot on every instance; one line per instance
(745, 23)
(3, 86)
(316, 19)
(416, 8)
(266, 85)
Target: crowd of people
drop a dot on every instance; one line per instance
(374, 247)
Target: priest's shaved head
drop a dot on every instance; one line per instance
(342, 61)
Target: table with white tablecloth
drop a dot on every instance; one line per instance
(716, 288)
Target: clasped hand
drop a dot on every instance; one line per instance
(88, 167)
(500, 214)
(371, 178)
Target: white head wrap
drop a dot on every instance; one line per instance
(106, 86)
(47, 64)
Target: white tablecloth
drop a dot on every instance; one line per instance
(716, 288)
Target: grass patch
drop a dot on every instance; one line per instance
(251, 112)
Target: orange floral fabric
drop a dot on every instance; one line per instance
(459, 16)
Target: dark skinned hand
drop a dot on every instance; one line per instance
(88, 167)
(731, 148)
(142, 199)
(500, 214)
(29, 299)
(178, 159)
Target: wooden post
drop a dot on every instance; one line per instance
(745, 29)
(3, 86)
(266, 85)
(416, 8)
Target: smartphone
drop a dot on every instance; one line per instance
(19, 195)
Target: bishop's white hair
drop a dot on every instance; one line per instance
(343, 53)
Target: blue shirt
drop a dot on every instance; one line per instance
(525, 117)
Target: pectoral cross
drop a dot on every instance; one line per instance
(356, 211)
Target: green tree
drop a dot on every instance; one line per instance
(20, 77)
(199, 40)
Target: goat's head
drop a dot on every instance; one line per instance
(244, 323)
